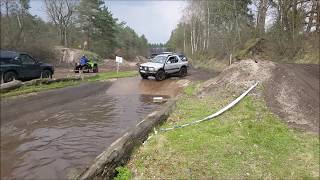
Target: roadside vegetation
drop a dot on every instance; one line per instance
(211, 32)
(123, 173)
(56, 85)
(85, 25)
(247, 141)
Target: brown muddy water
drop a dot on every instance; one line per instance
(54, 134)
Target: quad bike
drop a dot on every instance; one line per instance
(90, 66)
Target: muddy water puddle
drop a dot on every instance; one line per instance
(58, 141)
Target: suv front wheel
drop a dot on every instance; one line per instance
(161, 75)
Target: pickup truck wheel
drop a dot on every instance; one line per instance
(161, 75)
(9, 76)
(183, 72)
(46, 74)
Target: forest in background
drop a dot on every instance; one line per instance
(81, 24)
(279, 30)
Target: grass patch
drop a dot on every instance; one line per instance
(245, 142)
(123, 173)
(211, 64)
(44, 87)
(191, 89)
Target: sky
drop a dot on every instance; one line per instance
(153, 18)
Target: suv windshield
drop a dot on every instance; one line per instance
(159, 59)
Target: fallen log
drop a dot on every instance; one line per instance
(38, 82)
(49, 81)
(6, 87)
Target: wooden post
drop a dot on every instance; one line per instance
(81, 74)
(117, 68)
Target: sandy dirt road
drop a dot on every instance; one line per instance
(55, 133)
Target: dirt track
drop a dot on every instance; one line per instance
(293, 93)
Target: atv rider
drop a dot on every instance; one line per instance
(86, 65)
(83, 61)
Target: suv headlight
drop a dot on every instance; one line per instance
(151, 69)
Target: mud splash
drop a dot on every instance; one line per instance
(54, 138)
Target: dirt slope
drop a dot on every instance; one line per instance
(290, 90)
(293, 94)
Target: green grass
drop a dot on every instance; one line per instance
(191, 89)
(44, 87)
(245, 142)
(211, 64)
(123, 173)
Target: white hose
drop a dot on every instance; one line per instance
(215, 114)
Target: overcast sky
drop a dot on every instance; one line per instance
(153, 18)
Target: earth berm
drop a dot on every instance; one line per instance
(290, 90)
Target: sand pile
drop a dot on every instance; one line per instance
(240, 76)
(68, 55)
(291, 90)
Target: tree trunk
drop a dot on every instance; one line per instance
(184, 38)
(65, 36)
(318, 16)
(198, 37)
(311, 16)
(294, 18)
(191, 38)
(261, 17)
(61, 34)
(208, 27)
(7, 8)
(20, 31)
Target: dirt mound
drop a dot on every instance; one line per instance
(111, 65)
(293, 94)
(68, 55)
(290, 90)
(241, 75)
(140, 59)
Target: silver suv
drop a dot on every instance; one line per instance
(164, 65)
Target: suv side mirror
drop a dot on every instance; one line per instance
(168, 62)
(17, 58)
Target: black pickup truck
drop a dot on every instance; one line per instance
(22, 66)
